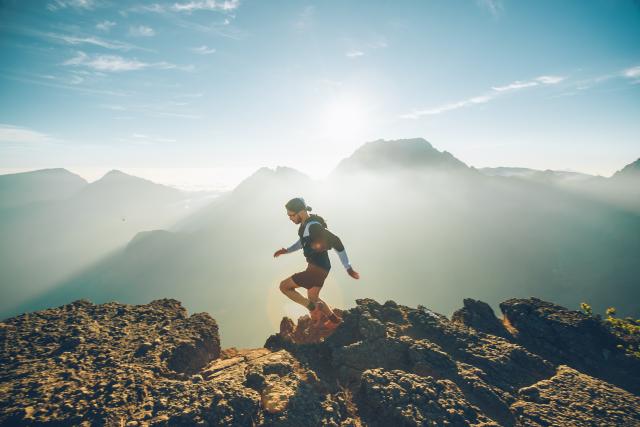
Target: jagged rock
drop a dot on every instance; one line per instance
(399, 398)
(109, 365)
(570, 337)
(480, 316)
(571, 395)
(386, 364)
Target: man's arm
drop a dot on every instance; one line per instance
(330, 241)
(296, 246)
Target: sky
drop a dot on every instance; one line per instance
(201, 93)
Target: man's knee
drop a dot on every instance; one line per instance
(286, 284)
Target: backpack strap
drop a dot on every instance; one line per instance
(306, 228)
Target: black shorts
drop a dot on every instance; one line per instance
(312, 277)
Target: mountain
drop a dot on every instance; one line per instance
(438, 236)
(385, 365)
(549, 176)
(50, 241)
(119, 187)
(399, 155)
(629, 172)
(38, 186)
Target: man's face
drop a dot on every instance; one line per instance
(294, 217)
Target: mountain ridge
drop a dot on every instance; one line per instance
(386, 364)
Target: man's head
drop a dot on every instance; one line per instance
(297, 210)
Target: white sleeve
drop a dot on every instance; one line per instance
(297, 245)
(344, 258)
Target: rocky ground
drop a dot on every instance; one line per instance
(386, 365)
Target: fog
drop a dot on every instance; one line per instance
(416, 235)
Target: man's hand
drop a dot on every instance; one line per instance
(353, 273)
(280, 252)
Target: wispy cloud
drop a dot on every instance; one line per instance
(203, 50)
(360, 48)
(354, 53)
(632, 73)
(74, 4)
(96, 41)
(305, 18)
(105, 25)
(495, 92)
(115, 63)
(542, 80)
(141, 31)
(225, 5)
(51, 81)
(144, 139)
(176, 109)
(222, 29)
(20, 135)
(495, 7)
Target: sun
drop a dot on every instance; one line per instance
(345, 117)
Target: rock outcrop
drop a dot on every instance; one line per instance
(385, 365)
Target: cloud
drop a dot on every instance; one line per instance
(73, 4)
(225, 5)
(179, 109)
(146, 139)
(542, 80)
(550, 80)
(141, 31)
(305, 18)
(203, 50)
(514, 86)
(354, 53)
(632, 73)
(105, 25)
(90, 40)
(495, 92)
(448, 107)
(495, 7)
(360, 48)
(17, 134)
(114, 63)
(106, 62)
(222, 29)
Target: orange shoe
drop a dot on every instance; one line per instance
(329, 325)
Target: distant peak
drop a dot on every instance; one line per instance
(632, 170)
(409, 153)
(116, 172)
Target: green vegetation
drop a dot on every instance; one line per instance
(628, 329)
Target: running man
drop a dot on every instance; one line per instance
(315, 240)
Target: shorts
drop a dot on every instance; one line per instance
(312, 277)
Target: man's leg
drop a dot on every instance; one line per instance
(314, 295)
(287, 286)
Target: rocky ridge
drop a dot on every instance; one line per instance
(387, 364)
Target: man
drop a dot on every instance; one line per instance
(315, 240)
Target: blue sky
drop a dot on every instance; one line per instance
(212, 90)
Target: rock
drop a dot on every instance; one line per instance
(571, 395)
(386, 364)
(570, 337)
(480, 316)
(398, 398)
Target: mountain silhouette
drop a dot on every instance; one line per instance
(443, 236)
(403, 154)
(46, 242)
(38, 186)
